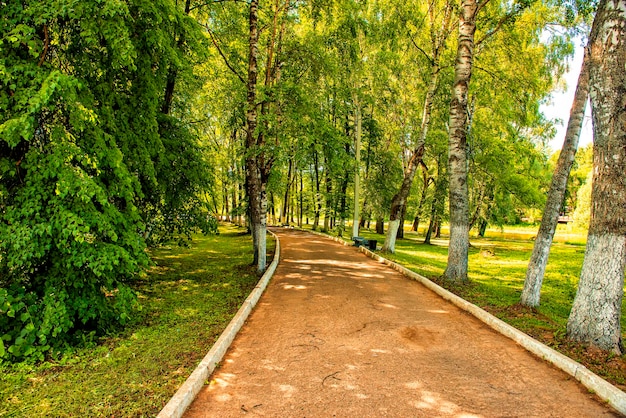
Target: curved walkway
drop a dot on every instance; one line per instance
(337, 334)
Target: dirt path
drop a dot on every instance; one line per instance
(339, 335)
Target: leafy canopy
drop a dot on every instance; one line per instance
(90, 168)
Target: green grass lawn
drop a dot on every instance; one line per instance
(191, 294)
(188, 298)
(497, 268)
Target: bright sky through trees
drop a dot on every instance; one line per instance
(561, 102)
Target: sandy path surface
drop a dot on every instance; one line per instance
(337, 334)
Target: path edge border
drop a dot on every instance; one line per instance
(184, 396)
(605, 390)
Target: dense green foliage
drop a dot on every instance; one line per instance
(91, 169)
(188, 296)
(344, 58)
(122, 125)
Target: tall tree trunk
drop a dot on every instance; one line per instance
(285, 211)
(329, 203)
(482, 228)
(259, 162)
(539, 258)
(484, 219)
(437, 227)
(272, 209)
(301, 214)
(431, 225)
(235, 208)
(343, 204)
(400, 232)
(357, 174)
(426, 182)
(380, 225)
(226, 209)
(398, 203)
(366, 211)
(595, 315)
(478, 203)
(416, 222)
(317, 202)
(364, 215)
(293, 201)
(173, 74)
(254, 186)
(456, 270)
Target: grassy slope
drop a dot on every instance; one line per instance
(497, 268)
(188, 298)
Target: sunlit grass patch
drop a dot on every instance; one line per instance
(188, 298)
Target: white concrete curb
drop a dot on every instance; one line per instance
(608, 392)
(185, 395)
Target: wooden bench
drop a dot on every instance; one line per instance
(360, 241)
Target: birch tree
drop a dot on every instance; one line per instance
(440, 31)
(595, 315)
(497, 19)
(556, 194)
(257, 198)
(259, 160)
(456, 270)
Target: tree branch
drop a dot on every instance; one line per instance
(481, 5)
(491, 73)
(230, 67)
(421, 50)
(46, 45)
(517, 9)
(207, 3)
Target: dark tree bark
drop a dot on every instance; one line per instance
(400, 231)
(329, 203)
(173, 74)
(380, 225)
(431, 226)
(285, 211)
(343, 204)
(477, 205)
(317, 202)
(482, 228)
(301, 213)
(426, 182)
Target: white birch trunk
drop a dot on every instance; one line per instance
(390, 236)
(595, 316)
(355, 218)
(254, 186)
(262, 234)
(539, 258)
(596, 313)
(456, 270)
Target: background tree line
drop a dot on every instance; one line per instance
(127, 123)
